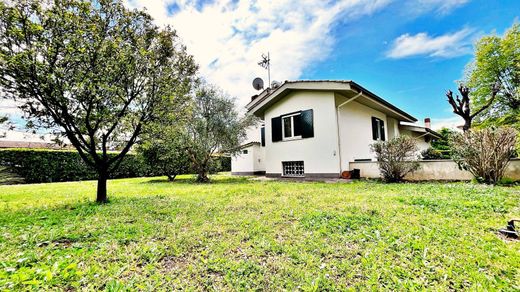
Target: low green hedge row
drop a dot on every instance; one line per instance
(42, 165)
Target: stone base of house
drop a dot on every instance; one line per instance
(307, 175)
(248, 173)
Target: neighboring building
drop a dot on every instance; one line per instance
(315, 128)
(29, 144)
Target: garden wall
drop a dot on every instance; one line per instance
(434, 170)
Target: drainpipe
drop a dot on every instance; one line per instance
(337, 124)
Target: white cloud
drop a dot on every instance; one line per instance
(452, 123)
(227, 38)
(421, 44)
(442, 7)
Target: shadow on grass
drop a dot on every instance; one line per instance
(9, 178)
(191, 179)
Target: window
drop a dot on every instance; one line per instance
(297, 125)
(378, 129)
(293, 168)
(291, 126)
(244, 151)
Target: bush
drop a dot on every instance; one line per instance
(485, 153)
(431, 154)
(41, 165)
(396, 157)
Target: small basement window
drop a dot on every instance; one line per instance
(293, 168)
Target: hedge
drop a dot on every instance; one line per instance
(43, 165)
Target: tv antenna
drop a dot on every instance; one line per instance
(266, 64)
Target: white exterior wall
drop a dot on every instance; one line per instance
(393, 128)
(421, 143)
(435, 170)
(319, 153)
(253, 161)
(355, 128)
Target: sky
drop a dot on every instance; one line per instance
(408, 52)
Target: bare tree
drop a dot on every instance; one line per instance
(461, 106)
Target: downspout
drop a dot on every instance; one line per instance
(337, 124)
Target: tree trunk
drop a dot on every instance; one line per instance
(202, 176)
(102, 187)
(467, 125)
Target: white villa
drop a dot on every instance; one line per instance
(317, 128)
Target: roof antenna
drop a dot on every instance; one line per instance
(266, 64)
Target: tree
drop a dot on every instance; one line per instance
(164, 149)
(214, 126)
(442, 145)
(396, 157)
(485, 153)
(93, 70)
(461, 106)
(497, 60)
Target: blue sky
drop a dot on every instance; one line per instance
(407, 51)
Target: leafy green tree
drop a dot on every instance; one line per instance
(164, 149)
(442, 145)
(93, 70)
(497, 61)
(213, 126)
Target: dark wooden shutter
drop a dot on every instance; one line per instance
(276, 129)
(262, 136)
(382, 129)
(374, 128)
(307, 123)
(297, 124)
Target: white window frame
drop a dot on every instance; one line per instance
(292, 137)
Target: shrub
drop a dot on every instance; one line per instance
(41, 165)
(485, 153)
(396, 157)
(431, 154)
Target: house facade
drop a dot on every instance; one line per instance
(316, 128)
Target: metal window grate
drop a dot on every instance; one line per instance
(293, 168)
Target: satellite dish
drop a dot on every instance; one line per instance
(275, 84)
(258, 83)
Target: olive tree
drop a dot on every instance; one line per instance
(214, 126)
(91, 70)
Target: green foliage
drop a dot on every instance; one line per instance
(213, 126)
(164, 150)
(497, 60)
(396, 157)
(37, 166)
(94, 71)
(240, 234)
(441, 147)
(485, 152)
(431, 154)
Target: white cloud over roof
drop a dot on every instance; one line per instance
(421, 44)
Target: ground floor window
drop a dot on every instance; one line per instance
(293, 168)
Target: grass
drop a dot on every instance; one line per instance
(238, 234)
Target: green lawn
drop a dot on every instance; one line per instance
(240, 234)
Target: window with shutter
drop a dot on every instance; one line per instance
(262, 136)
(293, 126)
(276, 129)
(378, 129)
